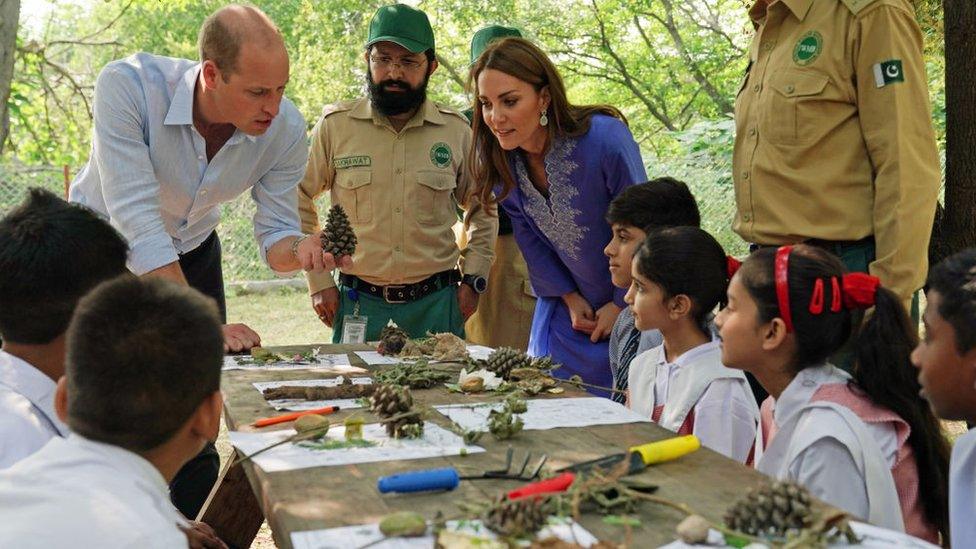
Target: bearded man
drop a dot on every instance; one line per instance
(395, 161)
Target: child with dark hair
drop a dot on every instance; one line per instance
(141, 394)
(866, 443)
(51, 253)
(661, 202)
(946, 360)
(679, 276)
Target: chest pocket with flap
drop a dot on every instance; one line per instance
(794, 102)
(432, 198)
(352, 190)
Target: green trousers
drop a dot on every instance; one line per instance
(435, 313)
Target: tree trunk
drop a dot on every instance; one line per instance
(959, 228)
(9, 20)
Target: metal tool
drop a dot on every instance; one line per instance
(448, 478)
(639, 457)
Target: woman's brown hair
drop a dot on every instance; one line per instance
(521, 59)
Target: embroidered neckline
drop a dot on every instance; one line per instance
(555, 216)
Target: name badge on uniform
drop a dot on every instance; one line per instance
(352, 162)
(353, 329)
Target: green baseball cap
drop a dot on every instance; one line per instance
(403, 25)
(487, 35)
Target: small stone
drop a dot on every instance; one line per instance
(403, 523)
(693, 529)
(312, 422)
(473, 385)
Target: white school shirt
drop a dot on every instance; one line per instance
(820, 455)
(27, 417)
(726, 414)
(77, 492)
(962, 491)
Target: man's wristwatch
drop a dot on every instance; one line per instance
(478, 283)
(295, 243)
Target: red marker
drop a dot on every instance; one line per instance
(274, 420)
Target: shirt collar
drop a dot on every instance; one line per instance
(690, 354)
(798, 393)
(800, 8)
(428, 112)
(123, 460)
(181, 106)
(33, 385)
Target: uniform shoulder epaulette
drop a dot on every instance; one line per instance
(333, 108)
(857, 5)
(448, 110)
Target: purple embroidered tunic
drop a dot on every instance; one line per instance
(562, 238)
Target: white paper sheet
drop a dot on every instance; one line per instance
(300, 404)
(338, 363)
(872, 537)
(350, 537)
(547, 413)
(436, 442)
(480, 352)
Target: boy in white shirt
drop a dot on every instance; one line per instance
(51, 254)
(141, 394)
(946, 359)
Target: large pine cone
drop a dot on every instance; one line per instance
(517, 518)
(338, 237)
(771, 511)
(506, 359)
(392, 340)
(390, 400)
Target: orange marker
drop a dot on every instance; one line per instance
(274, 420)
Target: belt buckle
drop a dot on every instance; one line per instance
(386, 294)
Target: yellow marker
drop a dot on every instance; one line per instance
(666, 450)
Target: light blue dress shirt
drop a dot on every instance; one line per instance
(148, 170)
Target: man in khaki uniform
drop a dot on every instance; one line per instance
(504, 316)
(834, 140)
(395, 162)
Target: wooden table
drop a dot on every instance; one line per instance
(326, 497)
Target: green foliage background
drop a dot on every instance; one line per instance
(672, 66)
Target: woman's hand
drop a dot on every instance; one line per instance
(580, 312)
(606, 316)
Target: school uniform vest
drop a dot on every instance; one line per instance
(857, 410)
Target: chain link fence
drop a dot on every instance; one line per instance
(711, 185)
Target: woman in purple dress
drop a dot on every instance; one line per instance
(554, 167)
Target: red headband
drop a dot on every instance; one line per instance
(782, 277)
(856, 290)
(732, 266)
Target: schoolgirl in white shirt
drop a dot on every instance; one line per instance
(866, 443)
(679, 276)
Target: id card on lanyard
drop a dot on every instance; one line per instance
(354, 325)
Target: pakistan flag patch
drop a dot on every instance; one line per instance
(888, 72)
(808, 48)
(440, 154)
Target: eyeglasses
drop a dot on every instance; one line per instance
(384, 62)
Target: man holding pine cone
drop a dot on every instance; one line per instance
(395, 163)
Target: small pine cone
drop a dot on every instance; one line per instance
(338, 237)
(516, 518)
(409, 427)
(506, 359)
(772, 511)
(392, 341)
(389, 400)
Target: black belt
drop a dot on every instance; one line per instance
(830, 245)
(403, 293)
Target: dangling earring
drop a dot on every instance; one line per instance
(544, 119)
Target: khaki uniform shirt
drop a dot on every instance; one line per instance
(834, 135)
(400, 191)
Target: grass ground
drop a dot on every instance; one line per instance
(284, 317)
